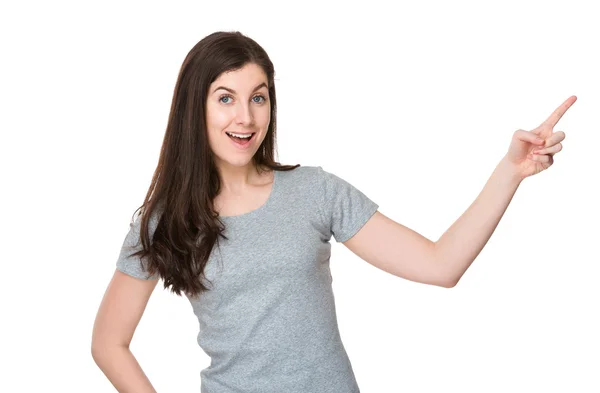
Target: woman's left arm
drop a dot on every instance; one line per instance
(403, 252)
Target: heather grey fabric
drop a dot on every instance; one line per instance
(269, 322)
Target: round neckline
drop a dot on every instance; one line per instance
(261, 207)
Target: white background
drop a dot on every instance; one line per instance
(414, 103)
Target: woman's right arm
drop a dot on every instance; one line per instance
(120, 311)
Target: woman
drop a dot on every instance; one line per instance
(247, 239)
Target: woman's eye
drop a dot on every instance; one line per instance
(222, 97)
(253, 98)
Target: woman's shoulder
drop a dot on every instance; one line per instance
(307, 175)
(303, 170)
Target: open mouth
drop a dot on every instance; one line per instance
(242, 141)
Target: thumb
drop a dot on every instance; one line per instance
(521, 143)
(528, 137)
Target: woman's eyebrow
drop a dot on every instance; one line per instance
(234, 92)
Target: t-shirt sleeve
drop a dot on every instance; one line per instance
(344, 208)
(132, 265)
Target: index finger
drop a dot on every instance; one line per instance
(559, 112)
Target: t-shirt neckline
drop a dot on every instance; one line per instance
(261, 207)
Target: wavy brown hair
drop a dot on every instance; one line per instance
(185, 182)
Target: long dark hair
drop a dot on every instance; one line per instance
(186, 180)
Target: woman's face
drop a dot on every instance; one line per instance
(237, 102)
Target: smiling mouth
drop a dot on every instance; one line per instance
(241, 141)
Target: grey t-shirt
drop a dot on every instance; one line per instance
(269, 322)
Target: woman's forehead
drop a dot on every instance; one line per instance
(248, 77)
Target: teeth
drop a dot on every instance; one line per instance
(239, 135)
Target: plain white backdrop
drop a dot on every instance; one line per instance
(414, 103)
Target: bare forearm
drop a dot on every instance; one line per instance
(123, 370)
(458, 247)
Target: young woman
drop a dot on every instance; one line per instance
(247, 240)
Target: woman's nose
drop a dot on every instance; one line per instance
(244, 115)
